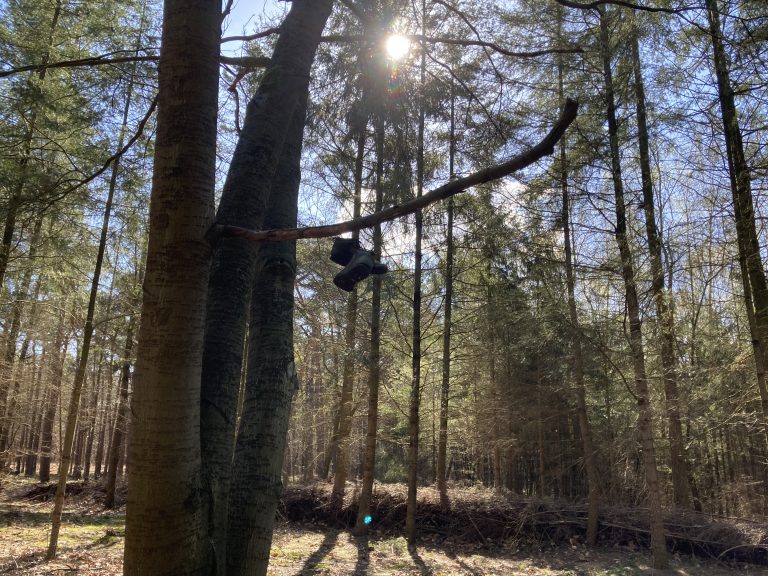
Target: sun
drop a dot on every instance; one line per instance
(397, 46)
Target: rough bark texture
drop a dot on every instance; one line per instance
(163, 514)
(744, 211)
(645, 426)
(244, 202)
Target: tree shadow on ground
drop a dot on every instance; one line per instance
(424, 570)
(464, 566)
(363, 556)
(314, 564)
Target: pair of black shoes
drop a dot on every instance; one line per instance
(358, 263)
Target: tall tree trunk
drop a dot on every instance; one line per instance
(163, 522)
(645, 425)
(343, 429)
(445, 386)
(82, 366)
(247, 191)
(577, 363)
(415, 398)
(681, 492)
(271, 377)
(744, 211)
(374, 368)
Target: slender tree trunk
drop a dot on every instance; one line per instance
(413, 411)
(82, 366)
(343, 430)
(244, 202)
(645, 426)
(374, 368)
(445, 387)
(6, 368)
(577, 365)
(163, 523)
(678, 462)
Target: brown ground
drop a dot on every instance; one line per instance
(91, 543)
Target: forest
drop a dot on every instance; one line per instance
(407, 278)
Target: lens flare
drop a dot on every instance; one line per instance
(397, 46)
(368, 519)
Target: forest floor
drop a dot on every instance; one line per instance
(91, 543)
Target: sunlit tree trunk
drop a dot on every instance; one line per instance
(163, 520)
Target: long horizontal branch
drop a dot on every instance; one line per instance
(522, 160)
(459, 42)
(631, 5)
(244, 61)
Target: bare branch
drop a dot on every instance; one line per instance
(139, 131)
(250, 37)
(631, 5)
(82, 62)
(522, 160)
(459, 42)
(246, 61)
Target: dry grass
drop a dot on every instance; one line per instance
(92, 541)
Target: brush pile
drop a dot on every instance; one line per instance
(480, 516)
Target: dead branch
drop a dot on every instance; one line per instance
(630, 5)
(522, 160)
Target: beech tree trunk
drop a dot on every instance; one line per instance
(244, 202)
(163, 523)
(271, 376)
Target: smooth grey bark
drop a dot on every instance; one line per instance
(645, 420)
(244, 202)
(163, 522)
(271, 375)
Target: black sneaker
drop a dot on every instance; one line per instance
(359, 268)
(379, 268)
(343, 249)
